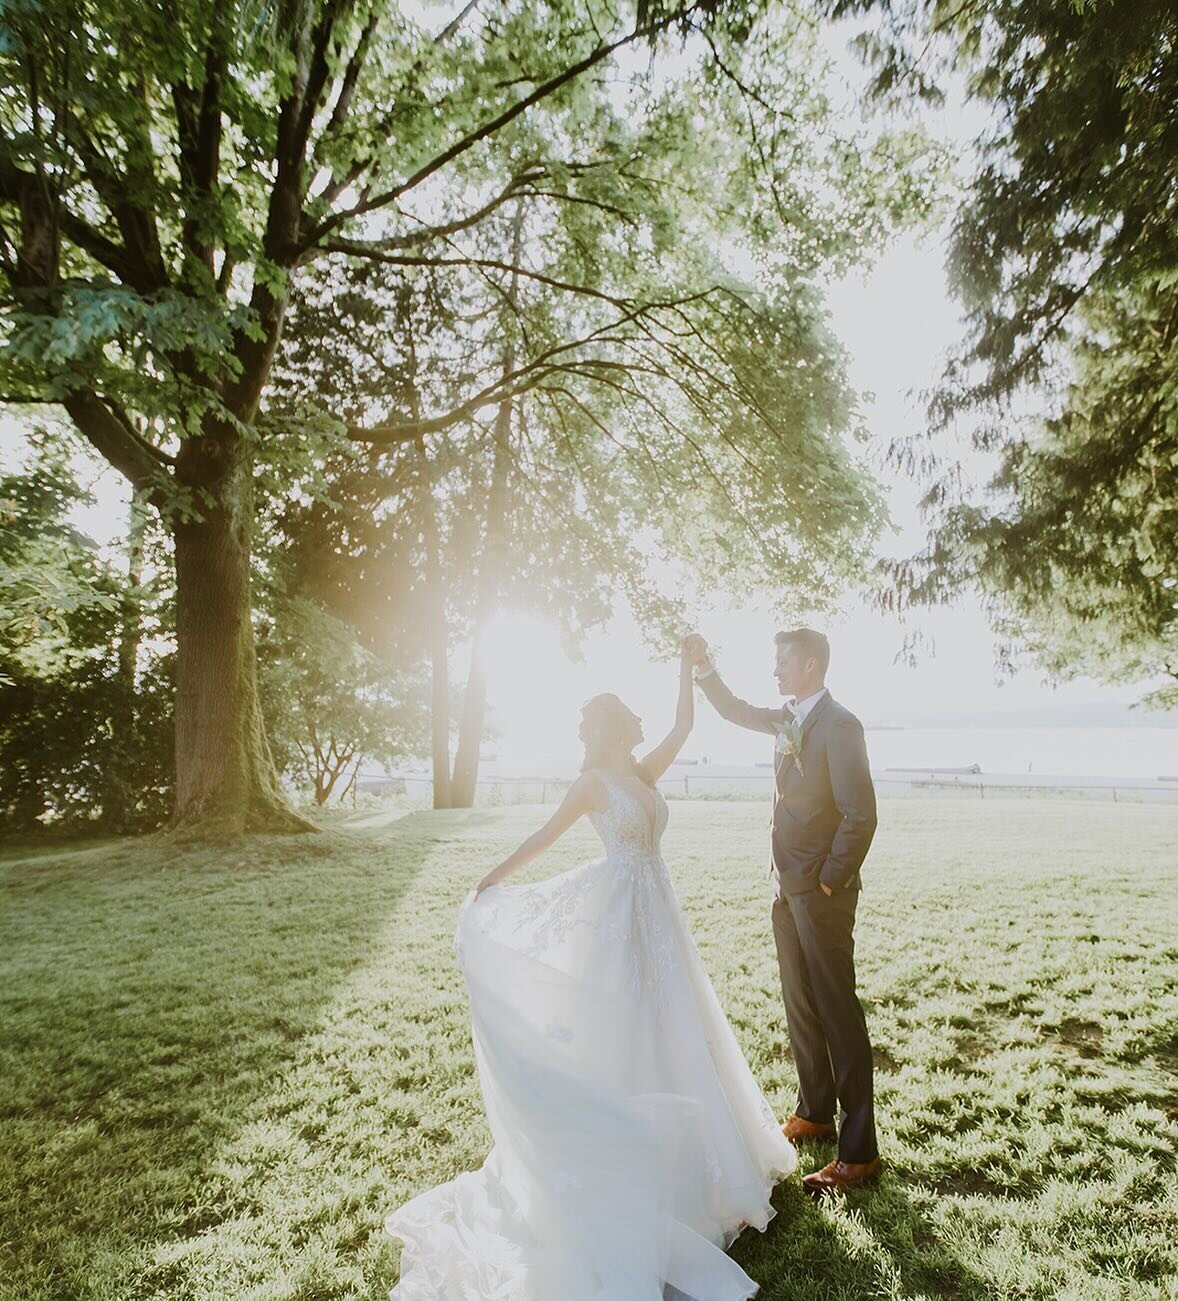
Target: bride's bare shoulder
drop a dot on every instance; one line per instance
(590, 790)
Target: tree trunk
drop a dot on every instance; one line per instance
(116, 792)
(465, 781)
(132, 628)
(226, 781)
(474, 705)
(351, 786)
(437, 640)
(439, 670)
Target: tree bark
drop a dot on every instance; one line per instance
(131, 632)
(465, 780)
(116, 793)
(464, 783)
(439, 670)
(437, 641)
(226, 780)
(437, 636)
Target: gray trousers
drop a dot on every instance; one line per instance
(814, 934)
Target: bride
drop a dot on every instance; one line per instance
(631, 1141)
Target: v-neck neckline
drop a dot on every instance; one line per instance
(650, 814)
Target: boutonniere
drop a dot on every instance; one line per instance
(789, 742)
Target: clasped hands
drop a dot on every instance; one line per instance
(695, 649)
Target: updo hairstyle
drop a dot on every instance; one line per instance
(603, 724)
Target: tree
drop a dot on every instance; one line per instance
(583, 377)
(331, 703)
(82, 739)
(1078, 558)
(164, 174)
(170, 177)
(340, 634)
(1063, 254)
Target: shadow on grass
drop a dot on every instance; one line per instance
(152, 1000)
(887, 1246)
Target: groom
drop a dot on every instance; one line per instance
(823, 822)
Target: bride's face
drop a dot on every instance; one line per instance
(626, 726)
(607, 720)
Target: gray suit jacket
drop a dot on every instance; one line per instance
(824, 816)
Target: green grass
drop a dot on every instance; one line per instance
(218, 1072)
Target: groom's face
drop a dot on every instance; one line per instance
(792, 670)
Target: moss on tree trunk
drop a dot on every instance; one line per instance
(226, 780)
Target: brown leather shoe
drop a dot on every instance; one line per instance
(799, 1130)
(840, 1176)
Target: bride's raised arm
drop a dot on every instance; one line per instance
(580, 797)
(664, 754)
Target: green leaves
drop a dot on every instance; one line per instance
(1062, 254)
(565, 255)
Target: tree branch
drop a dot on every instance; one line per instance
(136, 224)
(597, 55)
(198, 122)
(504, 387)
(114, 436)
(130, 270)
(342, 108)
(423, 235)
(340, 183)
(375, 253)
(316, 75)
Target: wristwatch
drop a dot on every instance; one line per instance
(704, 670)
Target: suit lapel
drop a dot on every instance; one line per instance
(812, 717)
(807, 727)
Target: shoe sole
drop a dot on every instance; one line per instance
(826, 1190)
(811, 1138)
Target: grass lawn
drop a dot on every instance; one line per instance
(218, 1072)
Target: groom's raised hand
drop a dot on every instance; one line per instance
(695, 648)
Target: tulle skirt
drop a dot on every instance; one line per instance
(631, 1141)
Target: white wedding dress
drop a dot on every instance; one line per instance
(631, 1142)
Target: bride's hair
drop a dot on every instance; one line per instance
(603, 722)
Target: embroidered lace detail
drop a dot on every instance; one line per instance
(549, 917)
(642, 929)
(625, 827)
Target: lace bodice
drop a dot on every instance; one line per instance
(625, 827)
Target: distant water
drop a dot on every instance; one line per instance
(1145, 752)
(1058, 751)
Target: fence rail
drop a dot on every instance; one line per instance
(697, 784)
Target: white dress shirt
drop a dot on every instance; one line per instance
(802, 707)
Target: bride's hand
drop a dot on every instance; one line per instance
(693, 648)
